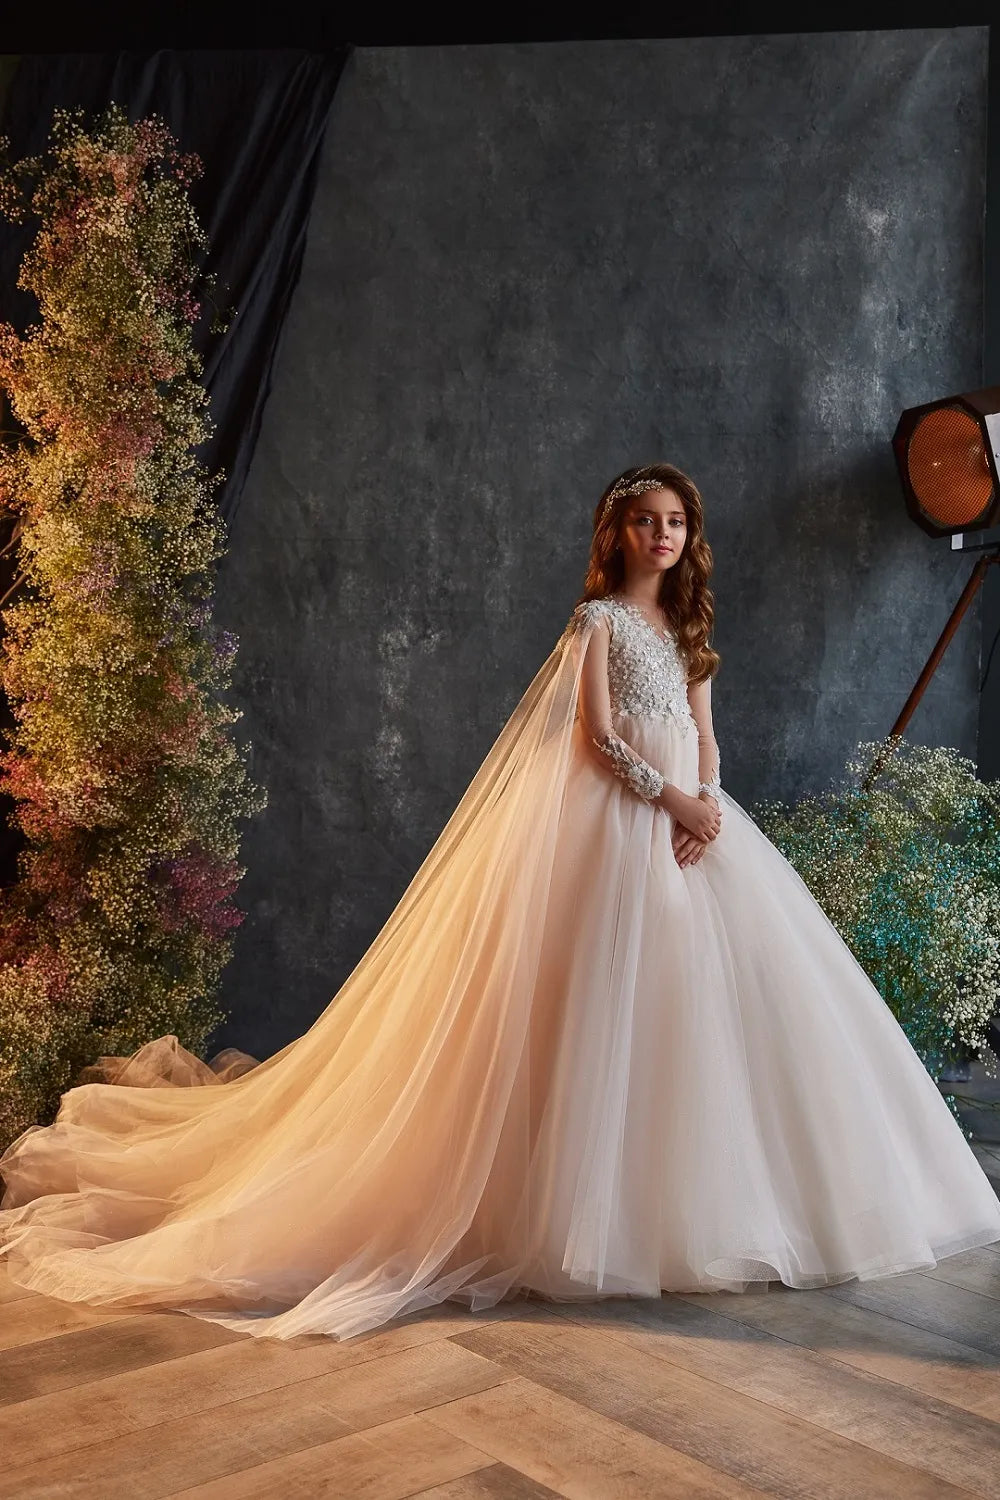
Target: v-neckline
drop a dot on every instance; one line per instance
(660, 635)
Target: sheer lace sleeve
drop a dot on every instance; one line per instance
(700, 701)
(595, 712)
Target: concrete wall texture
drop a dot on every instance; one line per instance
(528, 267)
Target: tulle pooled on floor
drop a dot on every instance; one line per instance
(565, 1066)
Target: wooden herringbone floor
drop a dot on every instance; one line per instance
(878, 1389)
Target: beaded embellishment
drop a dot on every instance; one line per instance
(630, 487)
(647, 678)
(644, 779)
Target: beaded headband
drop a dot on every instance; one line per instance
(629, 487)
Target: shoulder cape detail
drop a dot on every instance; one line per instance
(590, 611)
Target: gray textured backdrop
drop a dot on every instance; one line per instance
(528, 267)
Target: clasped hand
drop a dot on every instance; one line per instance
(696, 823)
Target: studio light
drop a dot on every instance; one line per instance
(946, 453)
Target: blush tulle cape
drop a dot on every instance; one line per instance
(565, 1066)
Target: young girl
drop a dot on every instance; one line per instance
(607, 1044)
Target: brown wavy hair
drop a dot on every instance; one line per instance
(685, 597)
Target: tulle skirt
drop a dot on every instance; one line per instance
(567, 1066)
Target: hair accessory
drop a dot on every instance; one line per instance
(629, 487)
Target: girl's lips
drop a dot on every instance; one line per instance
(663, 549)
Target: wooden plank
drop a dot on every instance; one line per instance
(228, 1438)
(385, 1463)
(31, 1318)
(976, 1270)
(497, 1482)
(30, 1371)
(871, 1341)
(780, 1451)
(888, 1417)
(965, 1316)
(988, 1156)
(75, 1407)
(577, 1451)
(397, 1385)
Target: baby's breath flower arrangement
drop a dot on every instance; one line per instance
(906, 864)
(128, 786)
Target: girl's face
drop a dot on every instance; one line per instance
(653, 531)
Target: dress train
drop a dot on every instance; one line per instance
(566, 1065)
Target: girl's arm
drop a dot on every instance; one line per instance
(700, 701)
(616, 755)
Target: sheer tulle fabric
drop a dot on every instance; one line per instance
(565, 1066)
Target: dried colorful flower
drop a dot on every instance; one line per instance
(127, 785)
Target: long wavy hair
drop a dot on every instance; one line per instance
(685, 597)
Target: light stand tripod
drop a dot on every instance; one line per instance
(988, 544)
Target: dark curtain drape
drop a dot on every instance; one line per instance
(256, 119)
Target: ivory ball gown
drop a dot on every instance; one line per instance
(566, 1065)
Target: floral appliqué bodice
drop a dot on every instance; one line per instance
(647, 676)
